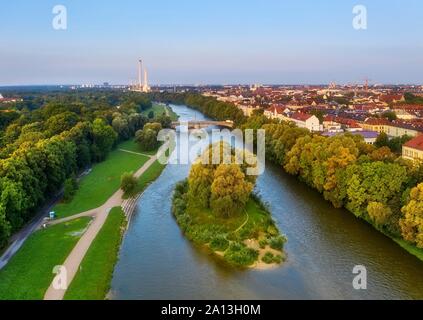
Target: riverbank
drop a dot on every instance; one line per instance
(158, 109)
(247, 240)
(92, 281)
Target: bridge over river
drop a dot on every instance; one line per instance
(203, 124)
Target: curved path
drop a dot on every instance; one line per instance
(73, 261)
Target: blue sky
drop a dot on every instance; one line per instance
(211, 42)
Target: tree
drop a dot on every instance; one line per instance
(4, 227)
(165, 121)
(375, 182)
(382, 140)
(70, 188)
(150, 114)
(147, 139)
(382, 154)
(128, 182)
(230, 190)
(390, 115)
(104, 138)
(379, 213)
(412, 221)
(200, 180)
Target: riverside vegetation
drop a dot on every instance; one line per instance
(215, 207)
(372, 182)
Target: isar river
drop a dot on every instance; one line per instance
(324, 245)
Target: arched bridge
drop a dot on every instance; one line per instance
(203, 124)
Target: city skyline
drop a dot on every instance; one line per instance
(211, 43)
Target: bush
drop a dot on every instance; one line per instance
(277, 242)
(128, 182)
(239, 255)
(270, 258)
(263, 243)
(219, 243)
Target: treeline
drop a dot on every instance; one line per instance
(42, 148)
(209, 106)
(373, 183)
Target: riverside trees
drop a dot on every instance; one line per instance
(372, 182)
(41, 149)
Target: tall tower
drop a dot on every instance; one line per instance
(140, 74)
(146, 88)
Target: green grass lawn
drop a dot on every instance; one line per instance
(101, 182)
(92, 281)
(29, 273)
(152, 173)
(132, 146)
(159, 109)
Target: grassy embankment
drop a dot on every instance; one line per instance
(152, 173)
(92, 281)
(410, 248)
(29, 273)
(102, 182)
(159, 109)
(250, 239)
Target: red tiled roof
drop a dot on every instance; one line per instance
(416, 143)
(301, 116)
(391, 97)
(375, 122)
(277, 109)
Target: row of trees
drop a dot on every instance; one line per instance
(370, 181)
(209, 106)
(43, 148)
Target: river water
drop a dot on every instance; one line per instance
(324, 244)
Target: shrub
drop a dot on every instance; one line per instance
(239, 255)
(128, 182)
(270, 258)
(277, 242)
(263, 243)
(219, 243)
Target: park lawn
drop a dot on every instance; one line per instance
(101, 183)
(132, 146)
(150, 175)
(29, 273)
(92, 281)
(159, 109)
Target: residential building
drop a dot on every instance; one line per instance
(413, 149)
(303, 120)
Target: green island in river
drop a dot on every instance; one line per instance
(216, 208)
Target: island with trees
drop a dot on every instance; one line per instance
(216, 208)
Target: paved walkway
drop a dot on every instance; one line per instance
(73, 261)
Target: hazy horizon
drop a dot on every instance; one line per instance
(241, 42)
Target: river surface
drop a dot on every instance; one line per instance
(324, 244)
